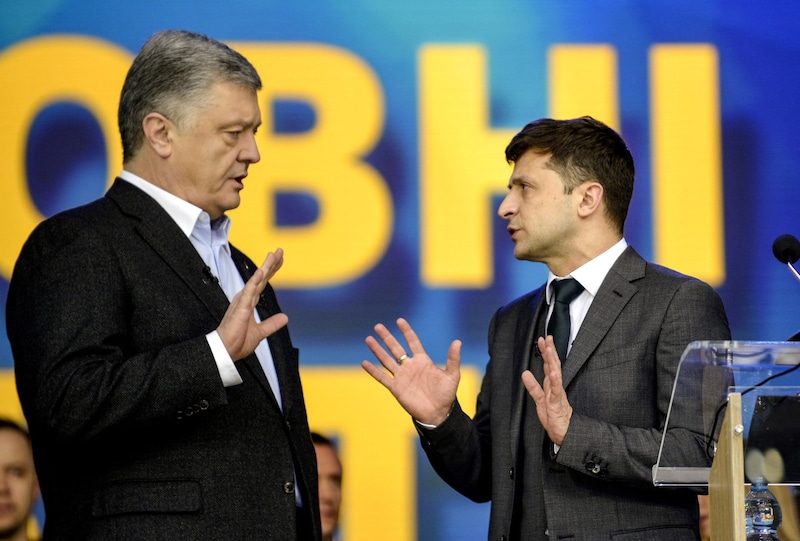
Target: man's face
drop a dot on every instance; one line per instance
(330, 488)
(541, 217)
(19, 487)
(213, 148)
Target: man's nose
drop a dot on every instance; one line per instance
(506, 208)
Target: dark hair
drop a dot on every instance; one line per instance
(322, 440)
(582, 150)
(6, 423)
(172, 75)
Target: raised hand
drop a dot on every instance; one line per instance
(425, 391)
(552, 407)
(239, 330)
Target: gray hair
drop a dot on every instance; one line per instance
(171, 75)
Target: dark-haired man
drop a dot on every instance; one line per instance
(566, 430)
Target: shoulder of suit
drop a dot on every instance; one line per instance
(524, 302)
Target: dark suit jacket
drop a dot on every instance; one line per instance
(134, 435)
(618, 377)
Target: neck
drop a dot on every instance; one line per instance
(579, 255)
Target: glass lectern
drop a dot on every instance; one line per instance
(740, 402)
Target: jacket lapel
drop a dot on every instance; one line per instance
(166, 239)
(528, 328)
(615, 292)
(265, 308)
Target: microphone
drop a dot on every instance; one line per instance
(786, 249)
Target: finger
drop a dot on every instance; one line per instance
(411, 338)
(252, 289)
(383, 357)
(273, 324)
(549, 354)
(533, 387)
(395, 348)
(272, 263)
(553, 361)
(382, 377)
(454, 357)
(246, 299)
(556, 385)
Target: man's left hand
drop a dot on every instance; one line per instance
(552, 406)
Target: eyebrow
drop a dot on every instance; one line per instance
(241, 123)
(516, 181)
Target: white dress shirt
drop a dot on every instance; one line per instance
(195, 223)
(590, 275)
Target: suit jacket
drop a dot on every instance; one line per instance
(618, 377)
(134, 435)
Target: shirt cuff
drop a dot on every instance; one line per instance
(430, 426)
(227, 369)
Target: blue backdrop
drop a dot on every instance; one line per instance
(66, 159)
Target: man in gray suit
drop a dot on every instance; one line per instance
(564, 450)
(153, 364)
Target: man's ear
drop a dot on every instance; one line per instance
(591, 197)
(158, 133)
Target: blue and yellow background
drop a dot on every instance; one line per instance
(382, 167)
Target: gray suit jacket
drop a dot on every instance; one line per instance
(618, 377)
(134, 435)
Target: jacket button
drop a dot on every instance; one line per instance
(288, 487)
(596, 469)
(204, 404)
(511, 473)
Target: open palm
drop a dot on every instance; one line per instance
(424, 390)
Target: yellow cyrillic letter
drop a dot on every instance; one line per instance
(687, 169)
(356, 209)
(36, 73)
(582, 81)
(461, 165)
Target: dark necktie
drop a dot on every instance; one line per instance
(565, 292)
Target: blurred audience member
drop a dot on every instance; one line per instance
(19, 486)
(329, 469)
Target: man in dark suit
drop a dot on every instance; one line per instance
(153, 364)
(570, 458)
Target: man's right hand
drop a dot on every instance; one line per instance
(425, 391)
(239, 330)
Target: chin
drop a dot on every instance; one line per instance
(232, 204)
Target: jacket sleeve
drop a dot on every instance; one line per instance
(612, 436)
(96, 340)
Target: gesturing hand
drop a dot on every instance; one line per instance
(239, 330)
(552, 406)
(425, 391)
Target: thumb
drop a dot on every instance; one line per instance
(454, 357)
